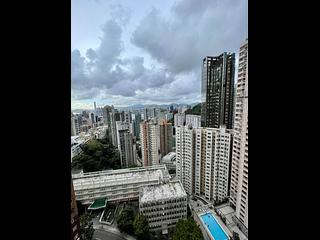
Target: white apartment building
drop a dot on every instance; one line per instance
(117, 185)
(163, 205)
(239, 170)
(185, 157)
(125, 144)
(179, 119)
(150, 143)
(203, 156)
(194, 120)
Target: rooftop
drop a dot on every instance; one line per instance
(83, 181)
(162, 191)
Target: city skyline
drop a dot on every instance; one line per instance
(121, 54)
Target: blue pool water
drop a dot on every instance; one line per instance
(214, 227)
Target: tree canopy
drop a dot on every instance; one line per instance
(187, 229)
(97, 155)
(125, 220)
(141, 227)
(86, 227)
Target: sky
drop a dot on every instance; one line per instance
(126, 52)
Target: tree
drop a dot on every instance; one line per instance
(236, 236)
(125, 221)
(97, 156)
(141, 227)
(187, 229)
(86, 227)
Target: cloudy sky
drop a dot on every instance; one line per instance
(126, 52)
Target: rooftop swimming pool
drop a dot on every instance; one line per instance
(214, 227)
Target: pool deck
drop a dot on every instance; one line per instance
(222, 225)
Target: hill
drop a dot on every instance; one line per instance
(196, 110)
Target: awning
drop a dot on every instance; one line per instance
(98, 204)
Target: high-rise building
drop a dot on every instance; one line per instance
(168, 116)
(92, 117)
(114, 117)
(106, 110)
(136, 125)
(193, 120)
(239, 169)
(166, 138)
(76, 122)
(185, 157)
(75, 221)
(150, 143)
(125, 144)
(202, 160)
(217, 91)
(127, 117)
(179, 119)
(153, 113)
(145, 114)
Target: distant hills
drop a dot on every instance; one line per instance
(142, 106)
(195, 110)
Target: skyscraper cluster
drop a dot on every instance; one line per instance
(82, 123)
(212, 150)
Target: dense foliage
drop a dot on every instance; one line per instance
(141, 227)
(86, 227)
(196, 110)
(187, 229)
(97, 155)
(125, 220)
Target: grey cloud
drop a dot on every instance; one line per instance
(105, 70)
(194, 30)
(197, 29)
(120, 13)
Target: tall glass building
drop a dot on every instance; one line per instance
(217, 88)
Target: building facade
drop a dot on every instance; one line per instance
(76, 121)
(163, 205)
(202, 159)
(117, 185)
(125, 144)
(239, 171)
(150, 143)
(166, 138)
(179, 119)
(194, 120)
(136, 125)
(217, 91)
(185, 157)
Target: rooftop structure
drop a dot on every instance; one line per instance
(163, 205)
(99, 203)
(122, 184)
(161, 192)
(170, 160)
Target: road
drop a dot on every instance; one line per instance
(103, 235)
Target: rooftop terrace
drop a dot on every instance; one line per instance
(162, 191)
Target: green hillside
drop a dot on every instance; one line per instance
(196, 110)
